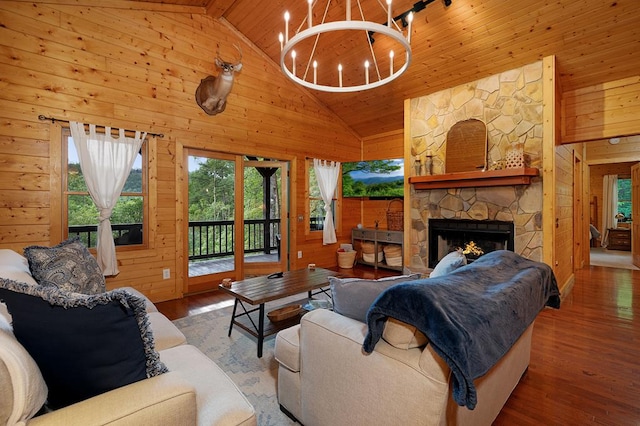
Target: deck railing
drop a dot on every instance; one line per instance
(207, 239)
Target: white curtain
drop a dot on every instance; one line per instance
(105, 162)
(327, 176)
(609, 206)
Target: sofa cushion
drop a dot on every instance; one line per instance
(14, 266)
(68, 266)
(23, 388)
(352, 297)
(165, 333)
(84, 345)
(287, 348)
(402, 335)
(218, 398)
(449, 263)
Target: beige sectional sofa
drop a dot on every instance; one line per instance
(195, 391)
(324, 378)
(444, 350)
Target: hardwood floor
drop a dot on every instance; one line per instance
(585, 359)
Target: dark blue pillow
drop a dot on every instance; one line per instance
(84, 345)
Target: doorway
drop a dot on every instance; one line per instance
(230, 233)
(265, 207)
(618, 253)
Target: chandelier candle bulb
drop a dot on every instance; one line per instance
(310, 12)
(409, 20)
(293, 59)
(389, 13)
(286, 26)
(391, 62)
(315, 72)
(348, 10)
(366, 72)
(340, 75)
(281, 39)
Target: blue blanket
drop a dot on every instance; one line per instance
(471, 316)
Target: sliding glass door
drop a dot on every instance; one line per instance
(232, 233)
(211, 211)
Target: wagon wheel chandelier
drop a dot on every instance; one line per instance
(371, 76)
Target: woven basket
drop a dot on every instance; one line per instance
(346, 259)
(392, 250)
(369, 247)
(395, 218)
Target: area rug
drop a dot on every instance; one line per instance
(237, 356)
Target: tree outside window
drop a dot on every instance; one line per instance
(624, 200)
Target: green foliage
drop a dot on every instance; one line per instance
(133, 182)
(624, 197)
(82, 211)
(212, 190)
(254, 194)
(211, 198)
(75, 179)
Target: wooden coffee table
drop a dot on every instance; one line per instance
(260, 290)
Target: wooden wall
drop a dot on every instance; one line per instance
(603, 111)
(564, 215)
(139, 70)
(364, 211)
(627, 149)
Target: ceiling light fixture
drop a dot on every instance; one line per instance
(378, 77)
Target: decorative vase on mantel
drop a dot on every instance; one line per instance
(427, 164)
(515, 157)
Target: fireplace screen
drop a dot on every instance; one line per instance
(475, 237)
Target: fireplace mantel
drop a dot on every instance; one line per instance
(505, 177)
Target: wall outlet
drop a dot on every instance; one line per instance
(166, 274)
(299, 254)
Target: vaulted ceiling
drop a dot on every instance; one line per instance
(594, 41)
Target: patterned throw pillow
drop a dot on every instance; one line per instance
(68, 266)
(83, 345)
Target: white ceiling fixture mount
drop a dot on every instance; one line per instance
(369, 75)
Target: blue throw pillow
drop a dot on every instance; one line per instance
(68, 266)
(352, 297)
(449, 263)
(83, 345)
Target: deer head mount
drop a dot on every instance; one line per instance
(212, 92)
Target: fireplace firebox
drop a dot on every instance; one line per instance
(476, 237)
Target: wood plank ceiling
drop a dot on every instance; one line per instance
(595, 41)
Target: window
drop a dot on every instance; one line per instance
(624, 199)
(316, 204)
(128, 219)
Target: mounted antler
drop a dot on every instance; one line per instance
(212, 92)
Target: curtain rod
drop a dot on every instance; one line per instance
(53, 120)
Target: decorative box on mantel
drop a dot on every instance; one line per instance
(505, 177)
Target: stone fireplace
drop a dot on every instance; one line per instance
(476, 236)
(511, 106)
